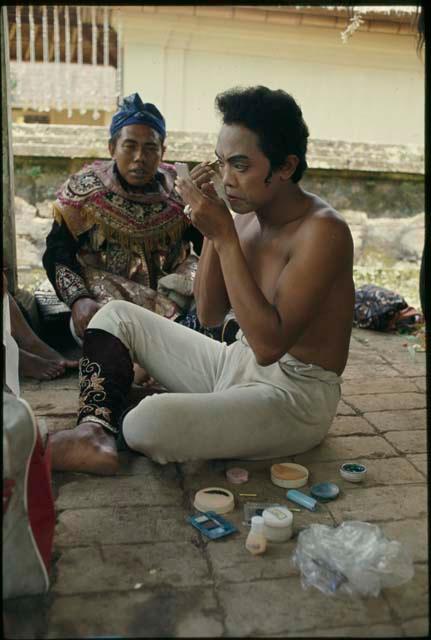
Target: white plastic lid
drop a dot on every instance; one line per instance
(277, 517)
(257, 523)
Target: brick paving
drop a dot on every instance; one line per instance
(127, 564)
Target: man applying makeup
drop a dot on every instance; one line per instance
(284, 266)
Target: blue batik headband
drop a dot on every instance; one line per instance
(134, 111)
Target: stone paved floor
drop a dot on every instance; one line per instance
(127, 564)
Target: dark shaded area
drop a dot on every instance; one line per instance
(26, 618)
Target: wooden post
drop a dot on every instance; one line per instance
(9, 237)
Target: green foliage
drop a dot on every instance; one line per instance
(34, 171)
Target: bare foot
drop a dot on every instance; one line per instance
(87, 448)
(41, 349)
(32, 366)
(30, 342)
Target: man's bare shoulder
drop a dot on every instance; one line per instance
(322, 218)
(323, 230)
(319, 208)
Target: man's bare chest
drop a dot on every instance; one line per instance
(266, 258)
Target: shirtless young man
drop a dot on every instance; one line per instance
(283, 264)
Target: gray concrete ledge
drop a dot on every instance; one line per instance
(84, 141)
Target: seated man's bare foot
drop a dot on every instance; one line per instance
(32, 366)
(29, 341)
(43, 350)
(87, 448)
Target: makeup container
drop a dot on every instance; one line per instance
(289, 475)
(215, 499)
(325, 491)
(302, 499)
(256, 541)
(353, 471)
(278, 523)
(237, 475)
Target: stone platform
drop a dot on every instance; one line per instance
(127, 564)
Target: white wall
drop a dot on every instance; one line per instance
(368, 90)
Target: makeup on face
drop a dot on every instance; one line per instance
(245, 169)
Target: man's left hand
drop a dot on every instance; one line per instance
(209, 213)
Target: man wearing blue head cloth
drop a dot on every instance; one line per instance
(120, 227)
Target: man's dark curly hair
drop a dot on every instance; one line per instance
(275, 118)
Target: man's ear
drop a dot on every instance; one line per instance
(111, 148)
(289, 167)
(163, 151)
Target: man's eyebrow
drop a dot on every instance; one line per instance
(234, 158)
(149, 142)
(237, 157)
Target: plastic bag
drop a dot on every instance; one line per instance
(354, 558)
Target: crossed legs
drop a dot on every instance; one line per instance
(119, 334)
(220, 404)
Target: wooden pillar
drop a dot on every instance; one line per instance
(8, 213)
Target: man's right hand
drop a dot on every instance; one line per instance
(82, 312)
(202, 174)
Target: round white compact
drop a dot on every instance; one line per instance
(277, 524)
(289, 475)
(215, 499)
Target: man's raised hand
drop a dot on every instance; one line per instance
(208, 213)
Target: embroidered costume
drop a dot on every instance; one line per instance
(105, 376)
(111, 243)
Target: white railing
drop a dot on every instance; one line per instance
(48, 76)
(44, 86)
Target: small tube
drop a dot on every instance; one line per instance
(301, 498)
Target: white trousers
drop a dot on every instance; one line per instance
(221, 404)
